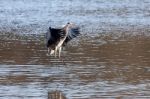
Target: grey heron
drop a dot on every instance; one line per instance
(56, 38)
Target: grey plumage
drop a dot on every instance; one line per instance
(58, 37)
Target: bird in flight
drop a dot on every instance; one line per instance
(56, 38)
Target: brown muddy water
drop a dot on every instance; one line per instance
(99, 67)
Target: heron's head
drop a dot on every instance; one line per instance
(70, 24)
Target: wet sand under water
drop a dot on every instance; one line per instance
(95, 68)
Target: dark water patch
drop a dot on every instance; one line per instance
(10, 36)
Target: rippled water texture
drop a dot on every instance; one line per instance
(109, 60)
(92, 69)
(94, 16)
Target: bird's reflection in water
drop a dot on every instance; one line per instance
(56, 95)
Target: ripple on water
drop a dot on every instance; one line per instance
(114, 69)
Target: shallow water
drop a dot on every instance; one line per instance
(109, 60)
(95, 68)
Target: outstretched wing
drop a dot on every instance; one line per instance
(52, 36)
(73, 31)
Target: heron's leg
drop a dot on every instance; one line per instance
(60, 48)
(56, 51)
(61, 58)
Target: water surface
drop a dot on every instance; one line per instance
(109, 60)
(91, 69)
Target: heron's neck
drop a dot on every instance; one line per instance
(67, 30)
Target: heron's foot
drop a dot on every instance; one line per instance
(48, 54)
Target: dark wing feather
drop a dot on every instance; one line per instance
(53, 36)
(73, 31)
